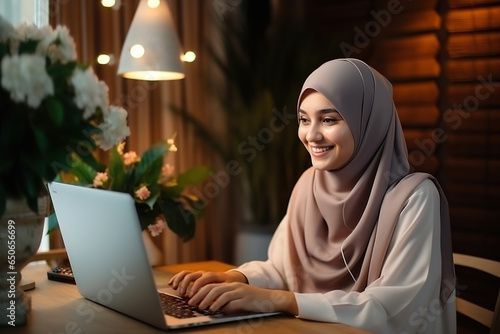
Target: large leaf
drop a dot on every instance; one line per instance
(191, 177)
(181, 221)
(83, 172)
(55, 110)
(148, 169)
(116, 171)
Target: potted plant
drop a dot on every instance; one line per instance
(51, 108)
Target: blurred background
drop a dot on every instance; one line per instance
(235, 109)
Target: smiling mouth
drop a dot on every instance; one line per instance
(321, 149)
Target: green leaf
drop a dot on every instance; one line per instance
(53, 223)
(90, 160)
(30, 185)
(55, 110)
(84, 173)
(28, 46)
(148, 169)
(116, 171)
(41, 140)
(146, 214)
(181, 221)
(191, 177)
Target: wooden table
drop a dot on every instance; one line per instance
(58, 308)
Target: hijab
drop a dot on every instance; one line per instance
(342, 221)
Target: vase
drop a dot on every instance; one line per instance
(20, 235)
(154, 254)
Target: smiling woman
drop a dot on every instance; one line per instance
(364, 242)
(324, 132)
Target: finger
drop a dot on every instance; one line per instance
(205, 279)
(188, 279)
(177, 278)
(217, 296)
(229, 299)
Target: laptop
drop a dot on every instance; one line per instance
(102, 236)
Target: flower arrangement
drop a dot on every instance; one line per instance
(52, 108)
(161, 197)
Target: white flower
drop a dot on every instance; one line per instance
(59, 46)
(29, 31)
(25, 77)
(113, 129)
(90, 93)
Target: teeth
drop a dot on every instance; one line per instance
(321, 149)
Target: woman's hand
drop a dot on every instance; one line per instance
(182, 280)
(241, 297)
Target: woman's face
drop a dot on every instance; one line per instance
(324, 132)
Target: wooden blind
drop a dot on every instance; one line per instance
(406, 51)
(443, 58)
(472, 99)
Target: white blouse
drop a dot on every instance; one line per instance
(403, 300)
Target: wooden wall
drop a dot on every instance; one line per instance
(443, 58)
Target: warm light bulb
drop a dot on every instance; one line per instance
(137, 51)
(153, 3)
(188, 57)
(108, 3)
(105, 59)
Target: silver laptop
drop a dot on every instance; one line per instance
(102, 236)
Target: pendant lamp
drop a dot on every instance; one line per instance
(151, 50)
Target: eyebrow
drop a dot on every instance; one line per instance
(322, 111)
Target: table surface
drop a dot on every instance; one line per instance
(58, 308)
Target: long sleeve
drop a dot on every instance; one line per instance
(405, 299)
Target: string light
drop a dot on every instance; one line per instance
(108, 3)
(153, 3)
(105, 59)
(188, 57)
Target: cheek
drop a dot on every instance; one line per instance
(302, 133)
(339, 135)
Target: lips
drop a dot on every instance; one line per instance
(320, 151)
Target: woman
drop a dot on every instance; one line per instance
(364, 242)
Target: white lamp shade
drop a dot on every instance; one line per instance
(154, 30)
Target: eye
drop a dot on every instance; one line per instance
(330, 121)
(303, 121)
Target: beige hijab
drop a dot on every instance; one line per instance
(340, 228)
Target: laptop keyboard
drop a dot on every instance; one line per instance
(179, 308)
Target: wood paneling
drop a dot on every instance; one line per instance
(407, 54)
(415, 92)
(468, 69)
(444, 63)
(460, 20)
(413, 21)
(418, 115)
(469, 3)
(473, 44)
(422, 45)
(471, 99)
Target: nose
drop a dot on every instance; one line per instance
(314, 134)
